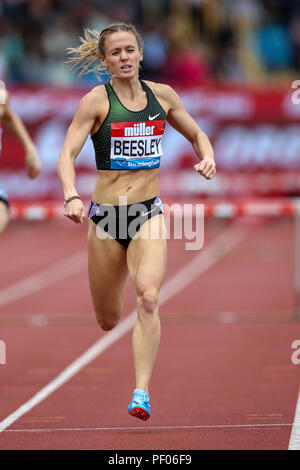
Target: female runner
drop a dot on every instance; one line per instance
(125, 119)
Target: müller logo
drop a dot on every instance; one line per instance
(139, 129)
(2, 352)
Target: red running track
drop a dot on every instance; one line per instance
(224, 378)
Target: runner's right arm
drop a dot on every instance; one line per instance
(80, 127)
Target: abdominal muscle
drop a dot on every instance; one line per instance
(135, 185)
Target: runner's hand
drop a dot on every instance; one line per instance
(206, 168)
(74, 210)
(33, 163)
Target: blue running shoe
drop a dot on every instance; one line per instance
(140, 404)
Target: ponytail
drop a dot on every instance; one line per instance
(86, 57)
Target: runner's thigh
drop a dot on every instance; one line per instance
(107, 273)
(147, 255)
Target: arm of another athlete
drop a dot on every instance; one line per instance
(180, 119)
(83, 121)
(14, 124)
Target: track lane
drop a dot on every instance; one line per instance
(116, 358)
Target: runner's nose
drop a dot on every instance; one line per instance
(124, 55)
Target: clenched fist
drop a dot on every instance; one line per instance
(206, 168)
(74, 210)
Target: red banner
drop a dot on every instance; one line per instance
(255, 135)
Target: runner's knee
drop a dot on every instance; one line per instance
(148, 300)
(108, 321)
(107, 325)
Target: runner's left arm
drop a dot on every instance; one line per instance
(182, 121)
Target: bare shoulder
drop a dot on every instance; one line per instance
(165, 93)
(93, 102)
(98, 92)
(160, 89)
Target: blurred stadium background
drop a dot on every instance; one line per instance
(232, 61)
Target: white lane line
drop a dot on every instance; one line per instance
(218, 248)
(294, 443)
(67, 267)
(158, 428)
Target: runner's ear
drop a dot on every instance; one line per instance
(103, 61)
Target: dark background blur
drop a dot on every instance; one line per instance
(240, 41)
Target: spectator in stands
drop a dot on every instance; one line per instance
(259, 35)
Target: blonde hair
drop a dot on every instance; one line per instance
(87, 55)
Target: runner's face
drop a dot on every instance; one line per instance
(122, 54)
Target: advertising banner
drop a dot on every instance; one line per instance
(255, 135)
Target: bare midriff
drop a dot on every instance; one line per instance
(135, 185)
